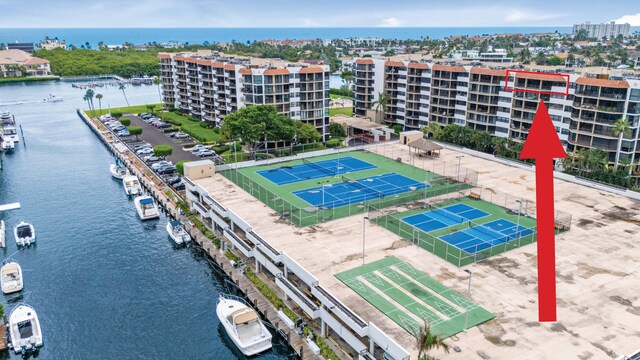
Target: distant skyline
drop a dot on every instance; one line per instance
(295, 13)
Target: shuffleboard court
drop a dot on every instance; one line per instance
(360, 190)
(409, 297)
(314, 170)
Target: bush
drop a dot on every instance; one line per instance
(336, 130)
(285, 152)
(220, 149)
(125, 121)
(334, 143)
(116, 114)
(204, 125)
(171, 130)
(341, 92)
(162, 150)
(232, 256)
(172, 121)
(180, 167)
(270, 295)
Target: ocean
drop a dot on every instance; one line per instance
(115, 36)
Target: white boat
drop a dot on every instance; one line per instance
(118, 171)
(132, 185)
(24, 329)
(11, 277)
(3, 234)
(146, 207)
(243, 325)
(177, 232)
(52, 98)
(8, 145)
(6, 117)
(9, 133)
(24, 233)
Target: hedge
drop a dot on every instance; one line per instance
(232, 256)
(270, 295)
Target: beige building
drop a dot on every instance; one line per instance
(50, 44)
(16, 63)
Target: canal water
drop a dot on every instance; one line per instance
(104, 284)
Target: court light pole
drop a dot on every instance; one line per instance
(518, 221)
(364, 225)
(458, 175)
(466, 316)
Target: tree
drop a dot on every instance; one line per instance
(305, 132)
(257, 124)
(89, 94)
(135, 130)
(116, 114)
(86, 98)
(347, 77)
(380, 105)
(162, 150)
(621, 128)
(433, 128)
(180, 167)
(99, 97)
(157, 82)
(121, 87)
(151, 108)
(125, 121)
(426, 341)
(336, 130)
(554, 61)
(581, 35)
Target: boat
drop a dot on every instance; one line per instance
(243, 325)
(9, 133)
(146, 207)
(3, 234)
(52, 98)
(118, 171)
(24, 233)
(24, 329)
(11, 277)
(177, 232)
(132, 185)
(8, 145)
(6, 117)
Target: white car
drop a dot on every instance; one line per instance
(145, 151)
(198, 148)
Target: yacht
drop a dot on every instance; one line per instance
(24, 233)
(24, 329)
(177, 232)
(146, 207)
(11, 279)
(9, 133)
(118, 171)
(52, 98)
(6, 117)
(132, 185)
(8, 145)
(243, 325)
(3, 234)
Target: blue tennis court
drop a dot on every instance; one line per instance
(350, 192)
(444, 217)
(314, 170)
(481, 237)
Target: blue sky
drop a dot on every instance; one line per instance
(301, 13)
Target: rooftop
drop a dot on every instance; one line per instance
(19, 57)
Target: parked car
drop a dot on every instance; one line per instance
(166, 169)
(181, 135)
(163, 126)
(203, 153)
(173, 179)
(179, 185)
(123, 132)
(151, 158)
(198, 147)
(160, 164)
(145, 115)
(145, 151)
(141, 146)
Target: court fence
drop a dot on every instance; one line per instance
(391, 219)
(311, 215)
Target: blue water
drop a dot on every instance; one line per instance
(114, 36)
(104, 284)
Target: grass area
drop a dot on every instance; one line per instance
(447, 313)
(431, 241)
(193, 128)
(135, 109)
(348, 111)
(301, 213)
(336, 96)
(27, 79)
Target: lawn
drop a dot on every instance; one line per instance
(193, 128)
(31, 78)
(135, 109)
(348, 111)
(336, 96)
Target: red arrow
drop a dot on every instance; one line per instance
(543, 145)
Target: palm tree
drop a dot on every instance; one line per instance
(86, 98)
(380, 105)
(347, 77)
(428, 341)
(99, 97)
(432, 128)
(620, 128)
(157, 81)
(89, 95)
(121, 87)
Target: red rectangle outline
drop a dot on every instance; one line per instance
(563, 76)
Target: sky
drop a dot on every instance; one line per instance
(301, 13)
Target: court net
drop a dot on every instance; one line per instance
(487, 231)
(448, 214)
(319, 167)
(360, 185)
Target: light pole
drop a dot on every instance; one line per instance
(323, 186)
(459, 157)
(364, 224)
(466, 316)
(518, 221)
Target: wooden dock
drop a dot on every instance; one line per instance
(156, 187)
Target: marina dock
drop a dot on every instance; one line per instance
(156, 188)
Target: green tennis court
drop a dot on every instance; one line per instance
(407, 296)
(304, 191)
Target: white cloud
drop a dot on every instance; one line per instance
(391, 22)
(520, 15)
(633, 19)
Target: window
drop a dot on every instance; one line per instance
(635, 95)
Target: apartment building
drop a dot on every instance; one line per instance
(421, 92)
(599, 31)
(16, 63)
(210, 85)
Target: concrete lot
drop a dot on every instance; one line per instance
(597, 261)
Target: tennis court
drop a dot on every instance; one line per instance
(354, 191)
(444, 217)
(480, 237)
(314, 170)
(408, 296)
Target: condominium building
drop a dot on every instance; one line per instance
(600, 31)
(421, 92)
(210, 85)
(16, 63)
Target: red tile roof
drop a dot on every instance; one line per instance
(394, 63)
(623, 84)
(543, 77)
(276, 72)
(311, 70)
(364, 61)
(36, 61)
(449, 68)
(414, 65)
(485, 71)
(229, 67)
(245, 71)
(164, 55)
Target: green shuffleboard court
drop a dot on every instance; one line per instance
(329, 187)
(408, 297)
